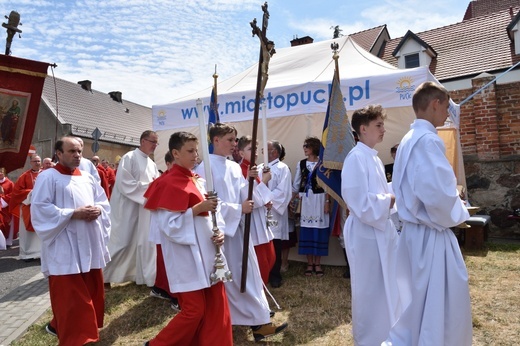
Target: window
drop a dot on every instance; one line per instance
(411, 61)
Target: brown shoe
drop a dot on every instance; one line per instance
(265, 330)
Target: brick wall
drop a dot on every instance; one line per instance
(490, 139)
(490, 122)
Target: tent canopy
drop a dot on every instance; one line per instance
(298, 86)
(296, 97)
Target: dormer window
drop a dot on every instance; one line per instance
(413, 52)
(513, 30)
(411, 60)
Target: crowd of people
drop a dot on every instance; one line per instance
(93, 226)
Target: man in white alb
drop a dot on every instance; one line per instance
(251, 307)
(133, 255)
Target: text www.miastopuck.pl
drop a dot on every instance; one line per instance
(287, 101)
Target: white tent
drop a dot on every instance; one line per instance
(296, 96)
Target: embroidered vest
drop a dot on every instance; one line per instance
(306, 174)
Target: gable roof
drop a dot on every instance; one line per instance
(367, 38)
(411, 35)
(85, 110)
(477, 8)
(512, 25)
(467, 48)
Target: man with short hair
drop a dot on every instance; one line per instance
(133, 255)
(87, 165)
(432, 276)
(249, 308)
(369, 235)
(47, 163)
(70, 213)
(20, 207)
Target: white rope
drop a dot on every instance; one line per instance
(270, 295)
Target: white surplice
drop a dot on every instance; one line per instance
(432, 276)
(87, 166)
(370, 242)
(69, 246)
(29, 242)
(133, 255)
(251, 307)
(281, 189)
(186, 242)
(260, 233)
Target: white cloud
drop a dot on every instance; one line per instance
(157, 51)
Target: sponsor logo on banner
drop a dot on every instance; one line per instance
(405, 88)
(161, 117)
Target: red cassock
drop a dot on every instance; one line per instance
(205, 318)
(104, 179)
(22, 187)
(111, 176)
(264, 252)
(5, 214)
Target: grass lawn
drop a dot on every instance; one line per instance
(318, 309)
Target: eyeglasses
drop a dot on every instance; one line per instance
(153, 142)
(306, 146)
(35, 161)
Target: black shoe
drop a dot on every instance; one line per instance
(49, 329)
(266, 330)
(276, 284)
(159, 293)
(174, 303)
(271, 313)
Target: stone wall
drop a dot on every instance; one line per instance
(490, 138)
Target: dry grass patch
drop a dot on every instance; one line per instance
(318, 309)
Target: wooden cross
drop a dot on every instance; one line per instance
(266, 51)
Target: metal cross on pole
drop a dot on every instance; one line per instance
(12, 28)
(266, 51)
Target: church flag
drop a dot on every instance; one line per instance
(21, 85)
(213, 114)
(336, 142)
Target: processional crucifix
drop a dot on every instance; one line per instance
(266, 52)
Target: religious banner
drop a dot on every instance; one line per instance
(336, 142)
(21, 84)
(213, 114)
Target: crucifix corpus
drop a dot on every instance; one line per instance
(266, 51)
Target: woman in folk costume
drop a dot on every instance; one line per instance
(315, 206)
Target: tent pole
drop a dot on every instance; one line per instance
(488, 84)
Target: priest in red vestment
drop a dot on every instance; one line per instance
(6, 188)
(20, 207)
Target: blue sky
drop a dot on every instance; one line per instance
(156, 51)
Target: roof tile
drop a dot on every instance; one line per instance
(118, 122)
